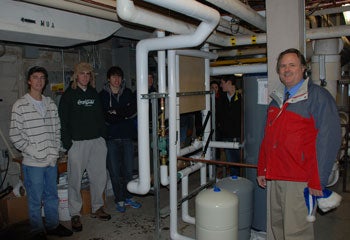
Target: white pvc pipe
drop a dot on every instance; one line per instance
(173, 146)
(196, 145)
(229, 28)
(230, 145)
(197, 53)
(184, 206)
(164, 178)
(190, 169)
(161, 66)
(242, 11)
(241, 52)
(177, 116)
(225, 70)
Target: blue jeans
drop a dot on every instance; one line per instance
(41, 189)
(120, 158)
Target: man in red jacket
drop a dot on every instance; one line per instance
(301, 142)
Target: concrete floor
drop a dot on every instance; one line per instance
(139, 224)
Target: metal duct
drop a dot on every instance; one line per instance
(28, 23)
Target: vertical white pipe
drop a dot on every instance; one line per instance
(161, 66)
(185, 215)
(177, 116)
(173, 146)
(208, 127)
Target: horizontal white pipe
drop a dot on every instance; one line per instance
(225, 70)
(190, 169)
(231, 145)
(197, 53)
(328, 32)
(328, 11)
(193, 147)
(241, 52)
(242, 11)
(230, 28)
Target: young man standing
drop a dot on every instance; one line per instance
(119, 106)
(229, 119)
(83, 130)
(35, 131)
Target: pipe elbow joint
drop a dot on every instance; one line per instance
(125, 9)
(139, 187)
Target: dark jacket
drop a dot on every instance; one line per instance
(302, 137)
(119, 111)
(81, 116)
(229, 116)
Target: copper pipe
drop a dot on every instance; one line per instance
(215, 162)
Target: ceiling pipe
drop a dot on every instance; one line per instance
(328, 11)
(241, 11)
(228, 27)
(241, 52)
(225, 70)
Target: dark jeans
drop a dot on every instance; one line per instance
(120, 158)
(232, 155)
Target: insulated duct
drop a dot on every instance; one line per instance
(33, 24)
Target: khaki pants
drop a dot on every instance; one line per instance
(287, 211)
(90, 155)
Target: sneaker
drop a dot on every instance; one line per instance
(120, 206)
(101, 214)
(76, 224)
(132, 203)
(60, 231)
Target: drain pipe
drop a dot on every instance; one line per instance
(210, 19)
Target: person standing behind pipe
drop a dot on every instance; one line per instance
(119, 108)
(301, 142)
(82, 130)
(229, 119)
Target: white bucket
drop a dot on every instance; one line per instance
(63, 211)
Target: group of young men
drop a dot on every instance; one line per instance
(95, 129)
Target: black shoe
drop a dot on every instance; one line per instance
(60, 231)
(76, 224)
(38, 236)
